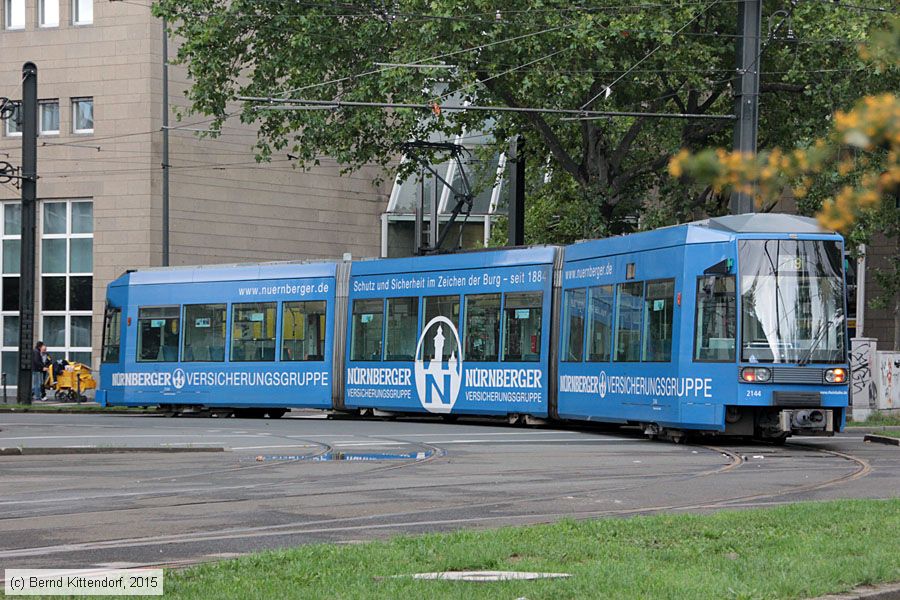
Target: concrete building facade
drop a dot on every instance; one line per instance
(100, 175)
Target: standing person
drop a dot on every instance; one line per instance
(47, 360)
(37, 370)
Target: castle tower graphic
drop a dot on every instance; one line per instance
(436, 372)
(437, 382)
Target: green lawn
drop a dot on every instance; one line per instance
(889, 433)
(795, 551)
(876, 420)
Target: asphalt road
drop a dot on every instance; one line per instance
(300, 480)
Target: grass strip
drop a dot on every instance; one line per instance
(889, 433)
(877, 420)
(794, 551)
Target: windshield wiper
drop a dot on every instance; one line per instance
(820, 335)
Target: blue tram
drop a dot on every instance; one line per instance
(252, 338)
(732, 325)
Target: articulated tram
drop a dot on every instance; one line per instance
(732, 325)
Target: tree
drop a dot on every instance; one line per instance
(589, 177)
(850, 177)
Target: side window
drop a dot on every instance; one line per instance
(112, 334)
(716, 320)
(629, 298)
(303, 330)
(482, 338)
(447, 307)
(402, 329)
(659, 308)
(253, 332)
(365, 337)
(158, 329)
(573, 319)
(600, 316)
(522, 326)
(204, 333)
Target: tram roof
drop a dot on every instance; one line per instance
(227, 272)
(716, 229)
(475, 259)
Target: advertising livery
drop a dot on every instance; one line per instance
(472, 336)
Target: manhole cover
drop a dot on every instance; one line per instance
(487, 575)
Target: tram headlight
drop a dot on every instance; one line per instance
(836, 375)
(756, 374)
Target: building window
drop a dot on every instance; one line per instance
(67, 265)
(83, 115)
(15, 14)
(48, 13)
(14, 120)
(9, 287)
(48, 117)
(83, 12)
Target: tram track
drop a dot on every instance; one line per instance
(402, 522)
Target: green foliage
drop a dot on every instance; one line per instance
(799, 550)
(540, 53)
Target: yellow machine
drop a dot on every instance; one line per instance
(70, 380)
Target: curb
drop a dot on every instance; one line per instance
(869, 592)
(881, 439)
(16, 451)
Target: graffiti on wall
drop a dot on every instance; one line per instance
(862, 392)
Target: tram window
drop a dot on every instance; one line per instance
(482, 336)
(303, 330)
(204, 333)
(402, 329)
(600, 323)
(158, 328)
(716, 320)
(253, 332)
(365, 337)
(522, 326)
(112, 334)
(629, 300)
(447, 307)
(573, 318)
(659, 309)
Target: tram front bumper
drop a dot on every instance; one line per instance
(806, 421)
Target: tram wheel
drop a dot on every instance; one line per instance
(276, 413)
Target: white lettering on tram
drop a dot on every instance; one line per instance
(631, 385)
(222, 379)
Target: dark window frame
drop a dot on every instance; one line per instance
(104, 351)
(640, 327)
(645, 321)
(567, 332)
(694, 348)
(351, 337)
(140, 338)
(589, 322)
(282, 321)
(230, 336)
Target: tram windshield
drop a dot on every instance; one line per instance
(792, 301)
